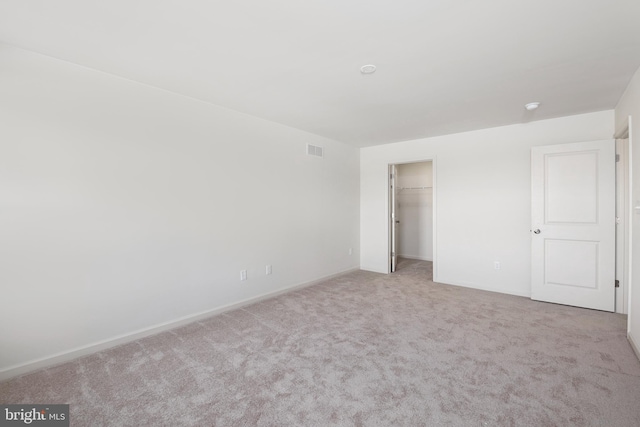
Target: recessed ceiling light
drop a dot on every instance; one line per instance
(368, 69)
(532, 106)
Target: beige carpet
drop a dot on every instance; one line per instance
(364, 349)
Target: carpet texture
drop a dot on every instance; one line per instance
(363, 349)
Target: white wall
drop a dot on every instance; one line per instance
(482, 198)
(415, 211)
(629, 106)
(123, 207)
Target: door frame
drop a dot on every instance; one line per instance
(392, 217)
(434, 176)
(624, 132)
(623, 220)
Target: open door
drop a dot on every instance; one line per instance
(573, 224)
(393, 216)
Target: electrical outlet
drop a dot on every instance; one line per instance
(243, 275)
(350, 251)
(268, 270)
(496, 265)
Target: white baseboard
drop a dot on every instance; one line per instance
(482, 288)
(372, 269)
(418, 258)
(62, 357)
(634, 346)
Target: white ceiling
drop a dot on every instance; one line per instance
(444, 66)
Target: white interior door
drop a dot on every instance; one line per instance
(573, 224)
(393, 216)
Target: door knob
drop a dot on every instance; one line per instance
(536, 231)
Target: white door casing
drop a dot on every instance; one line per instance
(623, 201)
(573, 224)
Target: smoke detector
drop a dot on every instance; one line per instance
(368, 69)
(532, 106)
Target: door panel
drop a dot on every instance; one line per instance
(562, 253)
(571, 197)
(573, 224)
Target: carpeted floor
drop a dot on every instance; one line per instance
(364, 349)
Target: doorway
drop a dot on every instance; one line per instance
(411, 219)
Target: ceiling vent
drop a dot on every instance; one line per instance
(314, 150)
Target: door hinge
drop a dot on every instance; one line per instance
(617, 158)
(617, 283)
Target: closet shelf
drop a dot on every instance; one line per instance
(414, 188)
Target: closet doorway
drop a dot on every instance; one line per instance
(411, 219)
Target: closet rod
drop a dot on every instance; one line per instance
(414, 188)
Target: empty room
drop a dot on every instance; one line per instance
(320, 213)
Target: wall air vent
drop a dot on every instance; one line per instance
(314, 150)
